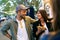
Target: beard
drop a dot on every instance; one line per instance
(22, 17)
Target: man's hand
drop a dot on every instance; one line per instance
(7, 35)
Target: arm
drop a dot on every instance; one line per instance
(32, 20)
(40, 30)
(5, 29)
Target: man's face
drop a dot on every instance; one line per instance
(22, 13)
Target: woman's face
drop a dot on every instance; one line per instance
(39, 15)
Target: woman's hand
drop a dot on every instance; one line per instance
(40, 29)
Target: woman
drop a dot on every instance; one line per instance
(42, 26)
(55, 35)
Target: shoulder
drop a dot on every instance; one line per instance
(49, 22)
(36, 22)
(8, 21)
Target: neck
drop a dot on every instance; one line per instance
(42, 21)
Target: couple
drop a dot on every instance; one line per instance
(20, 26)
(42, 26)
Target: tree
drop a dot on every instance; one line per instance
(10, 5)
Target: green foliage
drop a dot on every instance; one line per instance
(7, 5)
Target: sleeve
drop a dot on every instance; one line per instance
(32, 20)
(5, 28)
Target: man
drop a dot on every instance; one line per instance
(20, 26)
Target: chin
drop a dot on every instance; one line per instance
(23, 16)
(39, 18)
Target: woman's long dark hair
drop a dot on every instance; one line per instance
(44, 15)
